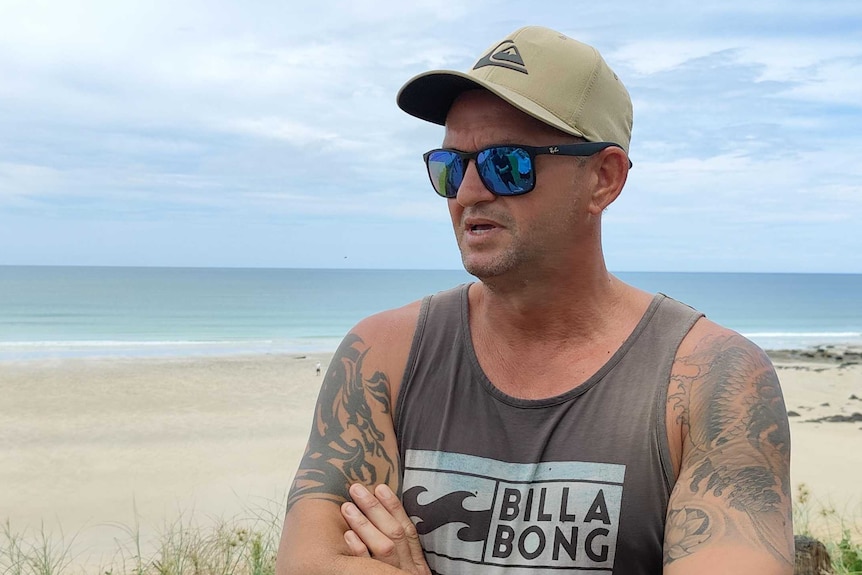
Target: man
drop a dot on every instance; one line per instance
(548, 418)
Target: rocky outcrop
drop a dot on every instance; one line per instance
(855, 417)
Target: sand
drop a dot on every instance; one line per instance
(826, 456)
(89, 446)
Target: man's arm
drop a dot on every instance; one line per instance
(352, 440)
(730, 511)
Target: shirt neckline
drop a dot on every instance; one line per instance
(567, 395)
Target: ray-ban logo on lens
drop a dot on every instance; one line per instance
(505, 55)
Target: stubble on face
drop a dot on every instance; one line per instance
(489, 262)
(521, 248)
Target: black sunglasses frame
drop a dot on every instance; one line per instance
(581, 149)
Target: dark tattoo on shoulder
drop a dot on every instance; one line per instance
(728, 401)
(346, 444)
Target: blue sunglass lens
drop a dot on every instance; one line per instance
(506, 170)
(446, 170)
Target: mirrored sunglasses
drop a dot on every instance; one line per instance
(504, 170)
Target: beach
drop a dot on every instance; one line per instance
(823, 393)
(92, 447)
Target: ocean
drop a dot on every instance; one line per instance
(55, 312)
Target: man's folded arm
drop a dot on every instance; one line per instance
(352, 440)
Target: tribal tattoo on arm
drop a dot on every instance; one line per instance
(348, 442)
(733, 488)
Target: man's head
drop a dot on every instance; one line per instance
(537, 94)
(562, 82)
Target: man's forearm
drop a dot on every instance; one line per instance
(336, 565)
(312, 543)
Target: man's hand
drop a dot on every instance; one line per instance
(381, 529)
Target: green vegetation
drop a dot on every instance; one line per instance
(841, 534)
(849, 556)
(242, 546)
(41, 555)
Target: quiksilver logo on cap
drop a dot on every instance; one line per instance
(505, 55)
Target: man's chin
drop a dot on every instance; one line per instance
(485, 268)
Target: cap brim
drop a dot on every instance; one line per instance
(430, 95)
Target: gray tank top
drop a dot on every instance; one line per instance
(497, 484)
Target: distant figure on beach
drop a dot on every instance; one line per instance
(547, 418)
(317, 368)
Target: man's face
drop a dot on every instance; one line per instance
(533, 233)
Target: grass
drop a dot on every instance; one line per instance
(241, 546)
(840, 532)
(41, 554)
(247, 545)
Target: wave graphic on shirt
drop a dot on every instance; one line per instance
(445, 510)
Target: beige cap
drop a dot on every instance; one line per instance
(560, 81)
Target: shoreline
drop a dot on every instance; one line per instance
(840, 351)
(90, 444)
(58, 351)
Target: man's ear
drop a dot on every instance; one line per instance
(611, 167)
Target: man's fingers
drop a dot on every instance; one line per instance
(355, 544)
(375, 541)
(396, 544)
(411, 536)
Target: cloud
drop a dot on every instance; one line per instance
(287, 130)
(653, 56)
(747, 115)
(21, 180)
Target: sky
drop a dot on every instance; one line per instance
(266, 134)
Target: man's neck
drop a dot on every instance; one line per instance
(548, 336)
(561, 305)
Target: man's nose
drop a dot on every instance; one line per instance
(472, 191)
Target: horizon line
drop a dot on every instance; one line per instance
(285, 268)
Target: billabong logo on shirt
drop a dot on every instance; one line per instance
(472, 512)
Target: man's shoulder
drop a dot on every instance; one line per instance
(389, 326)
(397, 325)
(717, 368)
(707, 339)
(384, 340)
